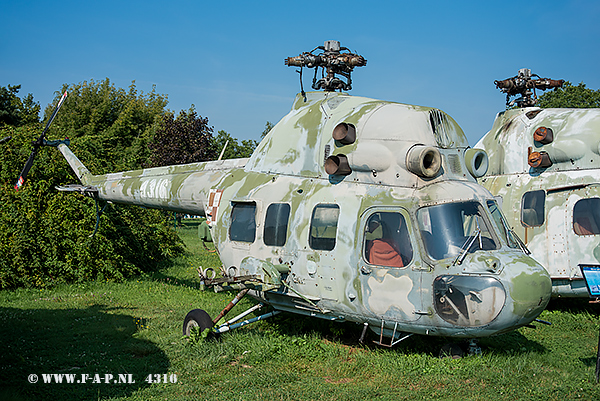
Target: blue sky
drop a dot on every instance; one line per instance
(227, 57)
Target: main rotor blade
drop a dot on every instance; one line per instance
(25, 171)
(37, 144)
(60, 102)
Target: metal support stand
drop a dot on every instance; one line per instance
(98, 214)
(392, 342)
(364, 332)
(598, 359)
(474, 348)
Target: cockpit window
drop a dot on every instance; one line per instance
(386, 241)
(507, 234)
(452, 228)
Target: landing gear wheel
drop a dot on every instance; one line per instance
(196, 318)
(451, 350)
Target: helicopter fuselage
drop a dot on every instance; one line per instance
(355, 209)
(544, 172)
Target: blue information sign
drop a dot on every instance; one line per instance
(591, 275)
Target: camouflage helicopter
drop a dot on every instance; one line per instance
(350, 209)
(543, 169)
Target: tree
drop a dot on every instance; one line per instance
(268, 127)
(233, 150)
(17, 112)
(570, 96)
(185, 139)
(108, 126)
(44, 234)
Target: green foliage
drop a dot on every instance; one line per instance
(109, 127)
(44, 234)
(268, 127)
(185, 139)
(570, 96)
(233, 150)
(15, 111)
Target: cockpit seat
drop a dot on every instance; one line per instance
(382, 252)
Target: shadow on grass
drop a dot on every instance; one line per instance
(97, 340)
(349, 333)
(177, 281)
(574, 305)
(589, 362)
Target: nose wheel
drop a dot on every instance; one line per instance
(451, 350)
(196, 318)
(474, 348)
(456, 351)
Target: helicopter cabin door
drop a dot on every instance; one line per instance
(583, 228)
(316, 272)
(391, 284)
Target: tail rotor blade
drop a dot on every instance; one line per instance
(37, 144)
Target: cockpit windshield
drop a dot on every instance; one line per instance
(454, 229)
(506, 233)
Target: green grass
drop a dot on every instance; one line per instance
(135, 328)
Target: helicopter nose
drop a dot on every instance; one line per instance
(530, 291)
(512, 297)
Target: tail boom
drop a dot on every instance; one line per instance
(182, 188)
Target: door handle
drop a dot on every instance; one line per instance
(365, 270)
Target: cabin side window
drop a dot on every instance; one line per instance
(386, 241)
(276, 224)
(323, 227)
(532, 208)
(586, 217)
(243, 222)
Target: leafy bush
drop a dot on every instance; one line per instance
(44, 234)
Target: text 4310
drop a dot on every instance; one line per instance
(164, 378)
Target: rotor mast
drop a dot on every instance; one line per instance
(522, 84)
(333, 59)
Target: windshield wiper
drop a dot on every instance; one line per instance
(520, 243)
(466, 246)
(510, 233)
(469, 242)
(478, 234)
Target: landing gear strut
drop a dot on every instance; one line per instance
(199, 318)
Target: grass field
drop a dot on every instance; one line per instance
(134, 328)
